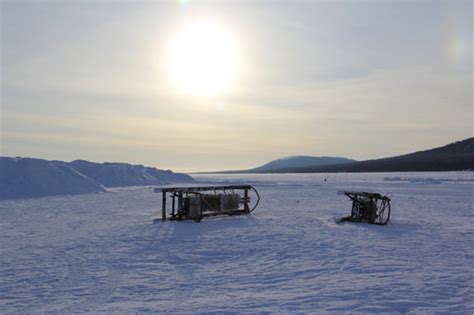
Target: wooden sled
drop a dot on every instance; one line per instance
(198, 202)
(368, 207)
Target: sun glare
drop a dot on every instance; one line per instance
(203, 59)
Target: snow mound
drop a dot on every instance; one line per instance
(28, 177)
(123, 174)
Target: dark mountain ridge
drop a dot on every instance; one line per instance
(300, 161)
(451, 157)
(293, 162)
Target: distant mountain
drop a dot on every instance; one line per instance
(29, 177)
(452, 157)
(278, 165)
(299, 161)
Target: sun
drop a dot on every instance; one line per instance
(203, 59)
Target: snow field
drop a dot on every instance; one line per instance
(102, 253)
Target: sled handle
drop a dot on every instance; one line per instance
(258, 198)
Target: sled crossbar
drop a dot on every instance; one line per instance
(354, 194)
(196, 202)
(200, 188)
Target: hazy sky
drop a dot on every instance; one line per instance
(358, 79)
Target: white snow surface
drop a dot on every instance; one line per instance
(102, 253)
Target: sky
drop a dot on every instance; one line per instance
(358, 79)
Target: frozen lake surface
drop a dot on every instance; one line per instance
(101, 252)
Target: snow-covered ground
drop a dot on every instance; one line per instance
(102, 253)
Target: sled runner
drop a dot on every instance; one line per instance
(195, 203)
(368, 207)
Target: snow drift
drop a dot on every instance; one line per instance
(28, 177)
(123, 174)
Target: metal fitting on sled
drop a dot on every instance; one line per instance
(195, 203)
(368, 207)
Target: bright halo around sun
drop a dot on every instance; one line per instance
(203, 59)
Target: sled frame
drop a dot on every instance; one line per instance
(361, 200)
(177, 195)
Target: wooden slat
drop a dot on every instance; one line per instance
(199, 188)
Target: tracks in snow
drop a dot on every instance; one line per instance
(162, 245)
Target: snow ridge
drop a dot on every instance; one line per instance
(30, 177)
